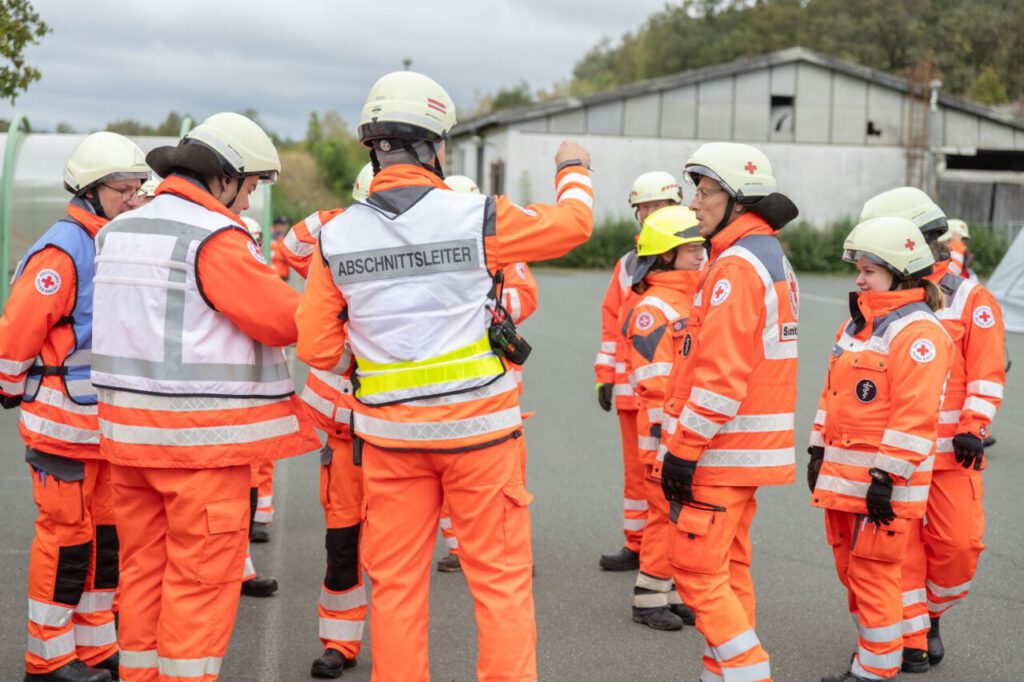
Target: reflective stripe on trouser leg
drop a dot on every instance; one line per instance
(264, 476)
(650, 592)
(248, 568)
(450, 539)
(342, 606)
(95, 632)
(139, 666)
(953, 536)
(634, 501)
(915, 623)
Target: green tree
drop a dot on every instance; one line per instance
(169, 127)
(988, 89)
(337, 151)
(20, 26)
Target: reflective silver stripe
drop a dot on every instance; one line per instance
(956, 591)
(708, 676)
(702, 426)
(48, 615)
(14, 367)
(774, 347)
(655, 369)
(622, 389)
(883, 661)
(443, 430)
(916, 624)
(710, 400)
(620, 367)
(512, 304)
(857, 458)
(95, 602)
(452, 542)
(758, 423)
(650, 600)
(190, 667)
(80, 388)
(265, 501)
(980, 406)
(352, 599)
(318, 402)
(949, 417)
(655, 302)
(670, 426)
(755, 672)
(170, 403)
(912, 597)
(503, 385)
(859, 670)
(894, 465)
(662, 451)
(647, 443)
(58, 431)
(907, 441)
(649, 582)
(944, 445)
(55, 647)
(936, 607)
(139, 659)
(927, 465)
(569, 178)
(902, 493)
(267, 377)
(738, 645)
(992, 389)
(673, 596)
(296, 246)
(955, 307)
(335, 381)
(313, 224)
(633, 524)
(655, 415)
(248, 570)
(12, 387)
(956, 256)
(578, 194)
(605, 360)
(634, 505)
(609, 346)
(748, 458)
(341, 630)
(445, 523)
(880, 344)
(816, 440)
(55, 398)
(880, 635)
(263, 517)
(819, 417)
(198, 436)
(95, 635)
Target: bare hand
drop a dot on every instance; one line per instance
(570, 151)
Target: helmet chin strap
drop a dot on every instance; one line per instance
(238, 189)
(94, 201)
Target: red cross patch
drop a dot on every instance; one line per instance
(255, 252)
(720, 291)
(910, 244)
(983, 317)
(922, 351)
(47, 282)
(750, 167)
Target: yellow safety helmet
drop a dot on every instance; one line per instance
(893, 242)
(361, 187)
(101, 157)
(461, 183)
(664, 230)
(224, 144)
(655, 186)
(910, 203)
(957, 230)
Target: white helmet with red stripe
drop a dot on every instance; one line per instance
(405, 105)
(655, 186)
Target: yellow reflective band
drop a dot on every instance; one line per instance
(476, 348)
(478, 368)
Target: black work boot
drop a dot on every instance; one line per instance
(260, 532)
(684, 612)
(112, 664)
(259, 586)
(449, 564)
(848, 676)
(75, 671)
(936, 651)
(623, 560)
(915, 661)
(331, 664)
(660, 618)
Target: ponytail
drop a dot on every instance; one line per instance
(933, 296)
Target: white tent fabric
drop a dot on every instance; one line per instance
(1007, 284)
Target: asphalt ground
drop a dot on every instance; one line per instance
(583, 613)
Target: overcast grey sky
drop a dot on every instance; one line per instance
(108, 60)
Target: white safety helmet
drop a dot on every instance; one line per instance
(461, 183)
(239, 147)
(742, 171)
(102, 157)
(957, 230)
(405, 105)
(655, 186)
(148, 188)
(361, 187)
(254, 228)
(910, 203)
(893, 242)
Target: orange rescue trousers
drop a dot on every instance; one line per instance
(184, 534)
(710, 556)
(634, 500)
(73, 570)
(488, 502)
(341, 611)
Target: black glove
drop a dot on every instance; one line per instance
(879, 498)
(604, 396)
(817, 454)
(969, 450)
(9, 402)
(677, 478)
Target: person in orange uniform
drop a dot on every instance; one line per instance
(942, 555)
(278, 262)
(45, 340)
(873, 443)
(437, 411)
(670, 254)
(956, 240)
(519, 299)
(728, 425)
(193, 389)
(649, 192)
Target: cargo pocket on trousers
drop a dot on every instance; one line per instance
(688, 549)
(832, 536)
(518, 551)
(223, 557)
(887, 544)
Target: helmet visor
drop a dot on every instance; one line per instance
(694, 171)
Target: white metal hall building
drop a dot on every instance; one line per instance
(836, 133)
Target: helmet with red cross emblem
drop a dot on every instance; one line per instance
(894, 243)
(742, 171)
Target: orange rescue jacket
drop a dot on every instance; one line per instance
(618, 301)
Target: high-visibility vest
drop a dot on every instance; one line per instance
(156, 332)
(73, 370)
(410, 265)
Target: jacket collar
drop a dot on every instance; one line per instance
(867, 306)
(405, 175)
(939, 271)
(82, 213)
(191, 190)
(744, 226)
(680, 280)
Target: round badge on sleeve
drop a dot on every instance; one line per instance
(922, 351)
(521, 270)
(47, 282)
(644, 321)
(983, 317)
(866, 391)
(256, 253)
(721, 291)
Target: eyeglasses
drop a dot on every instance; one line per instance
(125, 194)
(702, 194)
